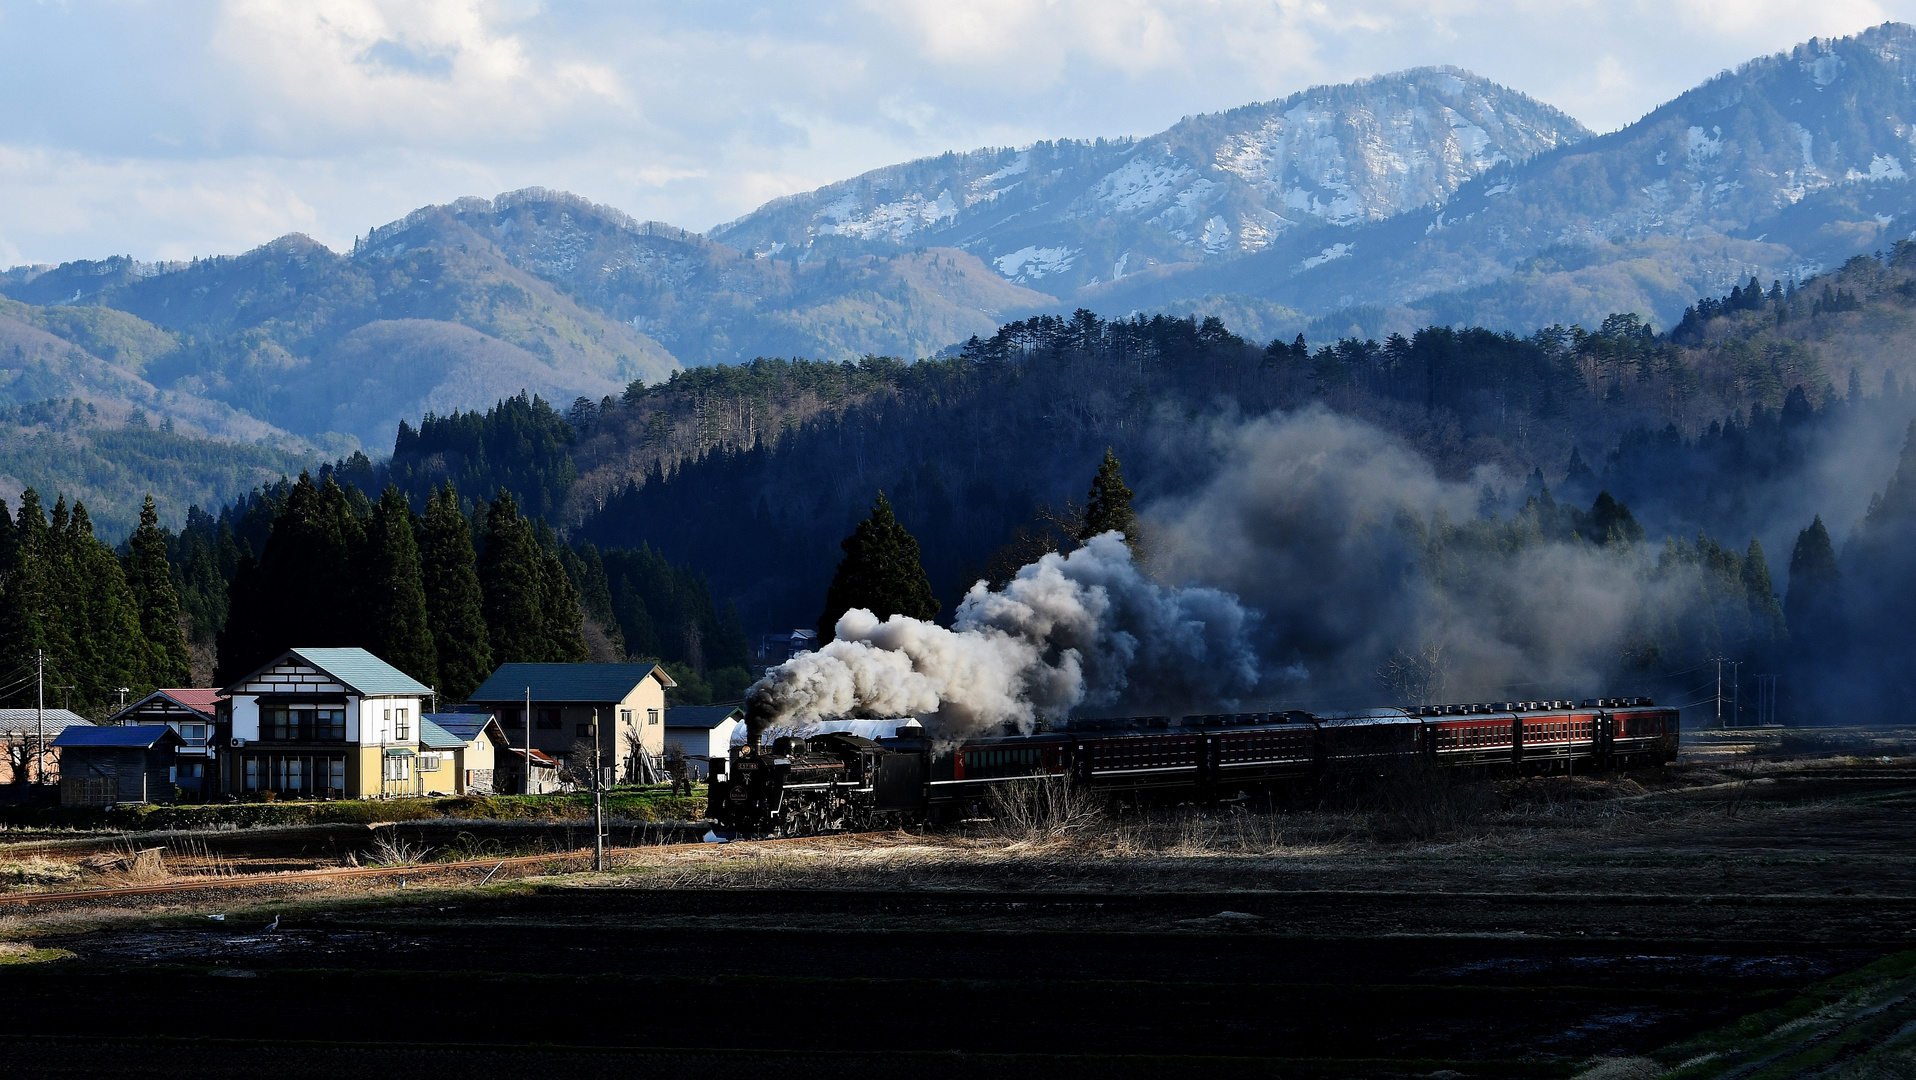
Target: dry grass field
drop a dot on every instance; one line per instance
(1749, 912)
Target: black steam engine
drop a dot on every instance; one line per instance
(838, 781)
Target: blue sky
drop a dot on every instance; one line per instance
(198, 127)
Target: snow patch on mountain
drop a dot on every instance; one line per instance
(1033, 263)
(1881, 167)
(1335, 251)
(1140, 184)
(895, 221)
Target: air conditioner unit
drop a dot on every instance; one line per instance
(236, 742)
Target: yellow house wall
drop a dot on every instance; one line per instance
(648, 695)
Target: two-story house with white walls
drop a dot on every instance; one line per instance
(326, 724)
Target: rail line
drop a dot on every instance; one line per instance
(294, 877)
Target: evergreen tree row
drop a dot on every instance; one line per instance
(337, 570)
(108, 627)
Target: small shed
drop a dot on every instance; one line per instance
(100, 766)
(509, 775)
(699, 733)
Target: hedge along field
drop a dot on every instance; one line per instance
(642, 805)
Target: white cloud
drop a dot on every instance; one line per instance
(202, 126)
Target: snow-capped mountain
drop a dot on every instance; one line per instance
(1061, 215)
(1786, 166)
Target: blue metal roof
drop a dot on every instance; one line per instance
(465, 726)
(434, 737)
(580, 683)
(361, 672)
(702, 716)
(137, 737)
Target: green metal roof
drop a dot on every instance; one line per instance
(583, 684)
(434, 737)
(360, 671)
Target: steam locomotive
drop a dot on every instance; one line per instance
(839, 781)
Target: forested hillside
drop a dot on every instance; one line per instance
(1435, 497)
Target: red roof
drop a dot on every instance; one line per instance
(539, 757)
(202, 698)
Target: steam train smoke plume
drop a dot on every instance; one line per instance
(1070, 632)
(1336, 530)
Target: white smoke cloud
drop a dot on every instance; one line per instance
(1084, 631)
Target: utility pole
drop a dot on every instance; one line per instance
(40, 711)
(528, 719)
(1719, 662)
(598, 799)
(1736, 693)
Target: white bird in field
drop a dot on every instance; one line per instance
(274, 925)
(217, 918)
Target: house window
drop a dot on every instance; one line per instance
(398, 767)
(329, 725)
(651, 716)
(402, 724)
(429, 763)
(584, 731)
(337, 774)
(550, 719)
(194, 771)
(252, 774)
(625, 717)
(172, 774)
(195, 734)
(512, 718)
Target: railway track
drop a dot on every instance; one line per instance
(294, 877)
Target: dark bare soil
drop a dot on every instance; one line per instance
(1504, 929)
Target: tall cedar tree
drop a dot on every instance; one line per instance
(587, 571)
(112, 652)
(1814, 603)
(880, 572)
(532, 611)
(395, 594)
(305, 589)
(151, 579)
(1766, 611)
(455, 607)
(564, 620)
(1108, 506)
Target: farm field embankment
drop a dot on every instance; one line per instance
(1753, 905)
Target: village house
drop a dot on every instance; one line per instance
(101, 766)
(700, 733)
(325, 723)
(621, 705)
(27, 736)
(194, 715)
(471, 744)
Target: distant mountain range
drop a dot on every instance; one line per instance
(1425, 196)
(1066, 216)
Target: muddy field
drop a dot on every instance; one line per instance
(1610, 927)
